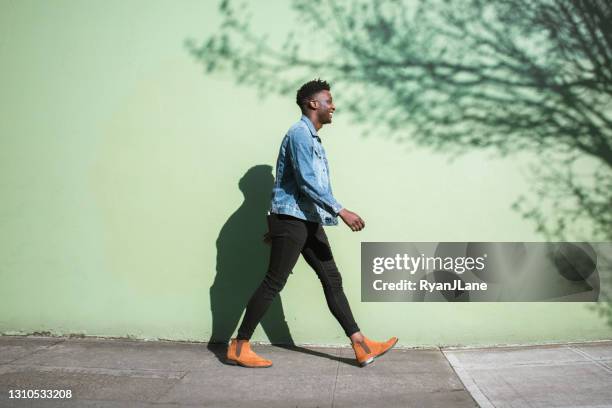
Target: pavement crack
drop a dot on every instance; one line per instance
(590, 358)
(336, 378)
(38, 351)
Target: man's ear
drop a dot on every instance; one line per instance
(313, 104)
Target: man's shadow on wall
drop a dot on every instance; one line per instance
(242, 261)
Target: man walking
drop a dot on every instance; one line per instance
(302, 203)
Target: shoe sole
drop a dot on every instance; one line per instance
(236, 363)
(371, 359)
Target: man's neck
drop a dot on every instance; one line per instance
(315, 122)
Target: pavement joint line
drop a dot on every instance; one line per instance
(170, 388)
(338, 354)
(468, 382)
(117, 372)
(526, 345)
(523, 365)
(147, 403)
(39, 350)
(591, 358)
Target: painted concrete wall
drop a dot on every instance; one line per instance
(121, 165)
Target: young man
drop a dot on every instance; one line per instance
(302, 203)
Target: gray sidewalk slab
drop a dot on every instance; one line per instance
(570, 375)
(123, 373)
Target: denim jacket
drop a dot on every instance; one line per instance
(302, 188)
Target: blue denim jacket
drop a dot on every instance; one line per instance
(302, 188)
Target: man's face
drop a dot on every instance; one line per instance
(324, 106)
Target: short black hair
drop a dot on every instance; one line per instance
(309, 89)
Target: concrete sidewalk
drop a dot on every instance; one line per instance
(570, 375)
(124, 373)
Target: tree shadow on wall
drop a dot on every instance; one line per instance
(242, 261)
(457, 76)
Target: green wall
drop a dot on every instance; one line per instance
(120, 163)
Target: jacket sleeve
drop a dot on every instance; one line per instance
(301, 148)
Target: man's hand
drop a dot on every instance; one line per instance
(351, 219)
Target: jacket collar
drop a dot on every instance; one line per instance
(311, 127)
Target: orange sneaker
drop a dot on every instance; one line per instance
(367, 350)
(240, 353)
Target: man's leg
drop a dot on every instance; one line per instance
(288, 235)
(317, 252)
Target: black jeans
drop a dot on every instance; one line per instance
(290, 237)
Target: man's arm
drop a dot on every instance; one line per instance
(301, 147)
